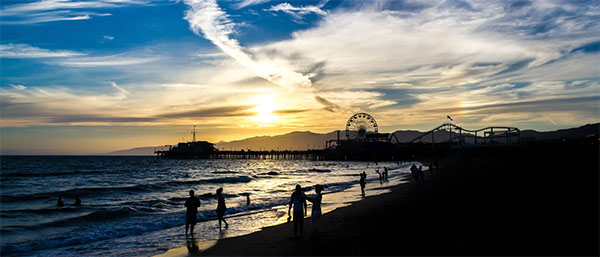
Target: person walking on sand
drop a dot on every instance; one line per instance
(316, 210)
(221, 208)
(191, 204)
(421, 173)
(414, 172)
(363, 182)
(298, 200)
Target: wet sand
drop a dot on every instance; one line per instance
(541, 200)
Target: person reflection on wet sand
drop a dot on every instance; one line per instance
(192, 246)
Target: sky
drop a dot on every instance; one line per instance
(88, 77)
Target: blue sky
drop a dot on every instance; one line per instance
(82, 74)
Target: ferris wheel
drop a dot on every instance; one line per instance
(363, 123)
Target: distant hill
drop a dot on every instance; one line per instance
(571, 133)
(301, 140)
(298, 140)
(138, 151)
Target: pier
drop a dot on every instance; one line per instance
(362, 142)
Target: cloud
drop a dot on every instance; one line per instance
(246, 3)
(59, 10)
(296, 12)
(206, 18)
(18, 87)
(222, 111)
(27, 51)
(105, 61)
(108, 37)
(329, 106)
(122, 92)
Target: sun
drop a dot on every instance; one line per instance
(265, 106)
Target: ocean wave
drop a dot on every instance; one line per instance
(112, 190)
(228, 179)
(49, 174)
(225, 172)
(76, 192)
(117, 229)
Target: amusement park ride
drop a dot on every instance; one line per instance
(361, 127)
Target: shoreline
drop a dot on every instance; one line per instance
(194, 247)
(522, 203)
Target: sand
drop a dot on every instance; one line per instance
(508, 202)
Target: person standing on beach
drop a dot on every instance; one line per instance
(221, 208)
(385, 173)
(316, 210)
(414, 172)
(192, 204)
(363, 182)
(60, 202)
(298, 200)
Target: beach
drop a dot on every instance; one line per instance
(533, 200)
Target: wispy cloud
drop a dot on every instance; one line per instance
(27, 51)
(298, 11)
(18, 87)
(59, 10)
(122, 93)
(206, 17)
(246, 3)
(105, 61)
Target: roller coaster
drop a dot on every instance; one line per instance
(457, 135)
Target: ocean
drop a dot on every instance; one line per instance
(133, 206)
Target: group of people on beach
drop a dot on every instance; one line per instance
(297, 202)
(60, 202)
(192, 204)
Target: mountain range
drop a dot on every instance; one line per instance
(302, 140)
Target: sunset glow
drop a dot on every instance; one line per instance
(248, 68)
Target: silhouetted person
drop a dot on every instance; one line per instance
(421, 173)
(77, 201)
(385, 173)
(298, 200)
(414, 172)
(316, 210)
(248, 200)
(221, 208)
(60, 202)
(380, 176)
(192, 204)
(363, 182)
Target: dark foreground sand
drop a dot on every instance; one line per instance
(535, 200)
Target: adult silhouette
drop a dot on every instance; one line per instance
(221, 208)
(316, 210)
(363, 182)
(192, 204)
(298, 201)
